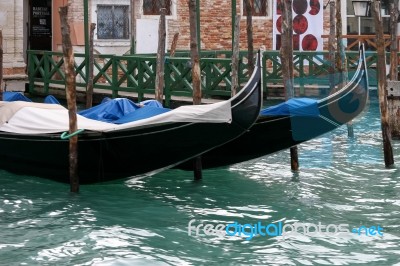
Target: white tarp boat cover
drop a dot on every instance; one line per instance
(38, 118)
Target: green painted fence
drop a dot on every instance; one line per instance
(136, 73)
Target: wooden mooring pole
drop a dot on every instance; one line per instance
(342, 59)
(235, 57)
(331, 45)
(393, 84)
(287, 66)
(70, 81)
(161, 55)
(394, 43)
(382, 83)
(89, 90)
(250, 39)
(195, 60)
(133, 26)
(174, 44)
(1, 65)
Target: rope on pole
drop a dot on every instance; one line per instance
(65, 135)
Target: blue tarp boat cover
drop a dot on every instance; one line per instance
(12, 96)
(144, 112)
(304, 117)
(153, 103)
(122, 110)
(294, 107)
(51, 99)
(117, 111)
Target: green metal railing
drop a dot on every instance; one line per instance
(133, 73)
(136, 73)
(312, 68)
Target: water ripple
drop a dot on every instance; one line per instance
(145, 221)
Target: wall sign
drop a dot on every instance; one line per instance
(40, 19)
(307, 25)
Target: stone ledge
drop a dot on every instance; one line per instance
(15, 77)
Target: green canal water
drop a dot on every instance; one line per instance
(145, 222)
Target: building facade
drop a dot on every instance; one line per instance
(35, 25)
(12, 26)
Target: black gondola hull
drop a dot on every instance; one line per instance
(271, 134)
(105, 156)
(110, 156)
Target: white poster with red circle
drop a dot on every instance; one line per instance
(308, 25)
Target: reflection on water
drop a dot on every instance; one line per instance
(145, 222)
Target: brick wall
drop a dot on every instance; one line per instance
(216, 26)
(75, 11)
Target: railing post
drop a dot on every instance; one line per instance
(302, 73)
(139, 74)
(130, 74)
(31, 69)
(46, 67)
(264, 74)
(207, 76)
(114, 85)
(168, 81)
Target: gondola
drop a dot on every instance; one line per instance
(293, 122)
(31, 143)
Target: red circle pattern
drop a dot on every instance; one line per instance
(300, 6)
(315, 7)
(300, 24)
(309, 43)
(279, 24)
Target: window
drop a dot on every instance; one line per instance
(259, 7)
(365, 25)
(152, 7)
(113, 22)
